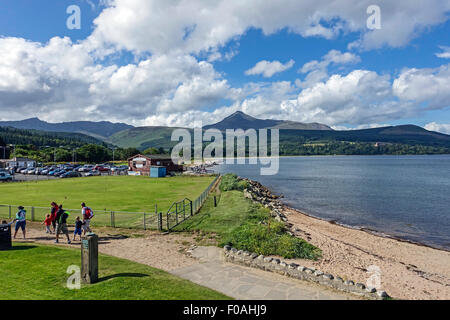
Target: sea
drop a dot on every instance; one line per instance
(406, 197)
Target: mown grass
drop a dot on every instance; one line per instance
(35, 272)
(246, 225)
(104, 194)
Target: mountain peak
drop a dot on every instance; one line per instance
(241, 120)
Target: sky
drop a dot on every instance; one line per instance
(346, 63)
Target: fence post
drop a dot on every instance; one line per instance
(10, 212)
(144, 222)
(192, 211)
(32, 213)
(215, 201)
(168, 224)
(112, 219)
(160, 222)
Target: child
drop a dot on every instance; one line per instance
(78, 226)
(48, 222)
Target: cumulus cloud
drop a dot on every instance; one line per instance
(439, 127)
(199, 25)
(268, 69)
(445, 54)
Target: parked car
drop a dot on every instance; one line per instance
(5, 176)
(71, 174)
(86, 168)
(101, 168)
(93, 173)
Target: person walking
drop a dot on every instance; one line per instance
(61, 223)
(48, 222)
(21, 221)
(78, 228)
(53, 212)
(87, 214)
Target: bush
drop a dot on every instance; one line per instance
(232, 182)
(256, 235)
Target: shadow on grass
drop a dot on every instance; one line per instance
(123, 275)
(21, 248)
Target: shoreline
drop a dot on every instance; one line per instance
(368, 230)
(406, 270)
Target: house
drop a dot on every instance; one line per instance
(18, 163)
(141, 164)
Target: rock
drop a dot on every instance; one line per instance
(301, 268)
(318, 273)
(234, 250)
(382, 294)
(276, 261)
(349, 283)
(283, 264)
(360, 286)
(293, 266)
(261, 257)
(308, 271)
(227, 248)
(328, 276)
(254, 255)
(268, 259)
(371, 290)
(339, 279)
(240, 252)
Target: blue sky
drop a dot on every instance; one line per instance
(129, 62)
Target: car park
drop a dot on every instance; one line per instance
(70, 174)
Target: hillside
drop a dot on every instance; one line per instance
(240, 120)
(144, 137)
(43, 138)
(101, 129)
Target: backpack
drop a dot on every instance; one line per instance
(88, 213)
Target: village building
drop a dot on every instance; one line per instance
(18, 163)
(142, 165)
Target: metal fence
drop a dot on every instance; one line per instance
(177, 213)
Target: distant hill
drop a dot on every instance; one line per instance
(44, 138)
(144, 137)
(240, 120)
(101, 130)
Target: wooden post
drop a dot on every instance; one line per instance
(89, 258)
(144, 222)
(215, 201)
(9, 212)
(160, 222)
(32, 213)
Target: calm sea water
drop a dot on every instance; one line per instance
(403, 196)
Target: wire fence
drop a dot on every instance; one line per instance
(154, 220)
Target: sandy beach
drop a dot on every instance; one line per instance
(407, 270)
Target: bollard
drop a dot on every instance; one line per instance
(89, 258)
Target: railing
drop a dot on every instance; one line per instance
(153, 220)
(177, 212)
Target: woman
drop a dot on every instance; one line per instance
(53, 212)
(21, 221)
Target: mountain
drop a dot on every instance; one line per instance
(240, 120)
(101, 130)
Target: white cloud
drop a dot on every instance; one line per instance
(192, 26)
(269, 68)
(430, 86)
(445, 54)
(439, 127)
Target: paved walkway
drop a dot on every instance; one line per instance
(245, 283)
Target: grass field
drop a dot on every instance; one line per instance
(246, 225)
(39, 272)
(104, 194)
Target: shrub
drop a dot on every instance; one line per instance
(232, 182)
(256, 235)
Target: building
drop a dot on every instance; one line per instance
(141, 165)
(18, 163)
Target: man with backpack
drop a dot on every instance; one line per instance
(87, 214)
(61, 223)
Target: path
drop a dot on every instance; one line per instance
(245, 283)
(203, 266)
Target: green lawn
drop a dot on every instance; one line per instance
(104, 194)
(232, 210)
(32, 271)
